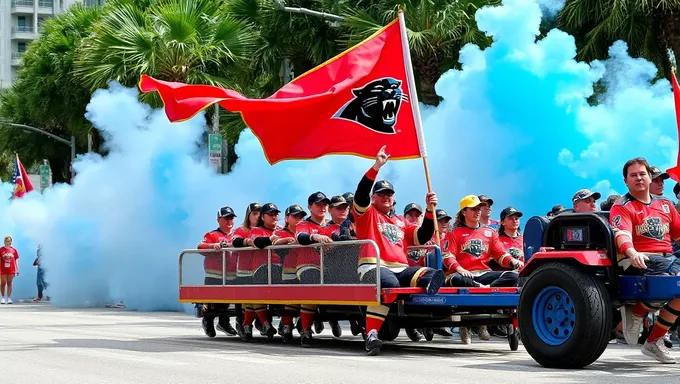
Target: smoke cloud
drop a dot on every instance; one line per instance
(514, 124)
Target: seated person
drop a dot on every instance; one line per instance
(585, 200)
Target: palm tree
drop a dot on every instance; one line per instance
(650, 27)
(437, 30)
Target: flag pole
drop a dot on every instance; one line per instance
(413, 96)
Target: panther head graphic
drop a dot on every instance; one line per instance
(375, 105)
(473, 247)
(652, 228)
(516, 253)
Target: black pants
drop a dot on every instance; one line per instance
(491, 278)
(215, 281)
(409, 277)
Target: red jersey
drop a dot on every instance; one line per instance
(392, 234)
(513, 245)
(244, 259)
(472, 249)
(308, 258)
(416, 257)
(645, 227)
(9, 257)
(289, 256)
(212, 264)
(260, 258)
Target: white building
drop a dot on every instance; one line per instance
(20, 22)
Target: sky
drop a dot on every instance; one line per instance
(513, 124)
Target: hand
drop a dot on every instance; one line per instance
(381, 158)
(638, 259)
(273, 238)
(284, 241)
(464, 272)
(217, 246)
(516, 264)
(322, 239)
(431, 199)
(249, 242)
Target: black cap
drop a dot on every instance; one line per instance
(676, 189)
(656, 172)
(349, 196)
(509, 211)
(557, 209)
(225, 212)
(412, 206)
(583, 194)
(269, 208)
(317, 197)
(294, 210)
(486, 199)
(609, 202)
(337, 201)
(382, 186)
(441, 214)
(254, 207)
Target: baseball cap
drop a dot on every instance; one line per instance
(469, 201)
(349, 196)
(253, 207)
(509, 211)
(583, 194)
(294, 210)
(441, 214)
(318, 197)
(269, 208)
(412, 206)
(225, 212)
(485, 199)
(557, 209)
(382, 186)
(656, 172)
(337, 201)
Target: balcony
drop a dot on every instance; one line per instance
(45, 7)
(22, 6)
(16, 58)
(23, 32)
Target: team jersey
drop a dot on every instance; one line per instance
(308, 258)
(417, 257)
(472, 249)
(513, 245)
(260, 258)
(646, 227)
(289, 264)
(244, 259)
(212, 263)
(8, 260)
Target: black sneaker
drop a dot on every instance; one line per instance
(246, 333)
(356, 328)
(318, 327)
(306, 338)
(436, 282)
(298, 326)
(373, 343)
(413, 334)
(269, 330)
(286, 334)
(336, 328)
(208, 324)
(225, 326)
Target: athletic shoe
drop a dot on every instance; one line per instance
(658, 350)
(631, 325)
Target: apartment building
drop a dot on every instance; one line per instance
(20, 22)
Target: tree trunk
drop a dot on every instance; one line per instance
(426, 69)
(669, 28)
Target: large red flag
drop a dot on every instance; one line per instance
(352, 104)
(675, 171)
(22, 184)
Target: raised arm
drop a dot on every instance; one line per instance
(362, 196)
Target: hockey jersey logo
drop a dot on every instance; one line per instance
(652, 228)
(474, 247)
(391, 232)
(515, 253)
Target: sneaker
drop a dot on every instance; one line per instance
(208, 326)
(356, 328)
(373, 343)
(2, 301)
(306, 338)
(286, 334)
(318, 327)
(667, 341)
(465, 335)
(225, 326)
(246, 333)
(444, 332)
(298, 326)
(9, 301)
(36, 299)
(436, 282)
(269, 330)
(336, 328)
(631, 325)
(658, 350)
(484, 333)
(413, 334)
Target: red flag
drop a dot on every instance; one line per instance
(352, 104)
(22, 184)
(675, 171)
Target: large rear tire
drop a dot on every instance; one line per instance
(564, 316)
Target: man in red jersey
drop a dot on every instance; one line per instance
(644, 226)
(373, 202)
(217, 239)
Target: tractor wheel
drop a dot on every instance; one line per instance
(513, 338)
(428, 333)
(561, 307)
(389, 330)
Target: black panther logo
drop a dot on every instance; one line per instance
(391, 232)
(474, 247)
(652, 228)
(375, 105)
(516, 253)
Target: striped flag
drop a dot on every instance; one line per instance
(22, 184)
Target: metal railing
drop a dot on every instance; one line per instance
(45, 4)
(22, 3)
(17, 55)
(22, 29)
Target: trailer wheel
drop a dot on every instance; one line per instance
(428, 333)
(560, 308)
(513, 338)
(389, 330)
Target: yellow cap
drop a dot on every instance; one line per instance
(469, 201)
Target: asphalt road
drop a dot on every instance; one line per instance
(42, 344)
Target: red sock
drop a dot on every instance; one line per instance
(249, 317)
(657, 332)
(640, 310)
(287, 320)
(307, 318)
(262, 315)
(373, 323)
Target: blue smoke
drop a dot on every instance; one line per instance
(514, 124)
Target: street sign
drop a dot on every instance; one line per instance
(45, 177)
(215, 151)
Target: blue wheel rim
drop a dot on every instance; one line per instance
(554, 315)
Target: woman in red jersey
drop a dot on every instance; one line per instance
(244, 272)
(510, 236)
(9, 267)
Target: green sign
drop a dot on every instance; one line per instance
(45, 179)
(215, 151)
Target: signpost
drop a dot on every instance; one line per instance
(45, 177)
(215, 151)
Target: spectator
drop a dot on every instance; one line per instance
(9, 267)
(485, 217)
(584, 201)
(607, 205)
(40, 281)
(658, 178)
(556, 210)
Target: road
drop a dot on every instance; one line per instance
(43, 344)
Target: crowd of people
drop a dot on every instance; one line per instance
(9, 269)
